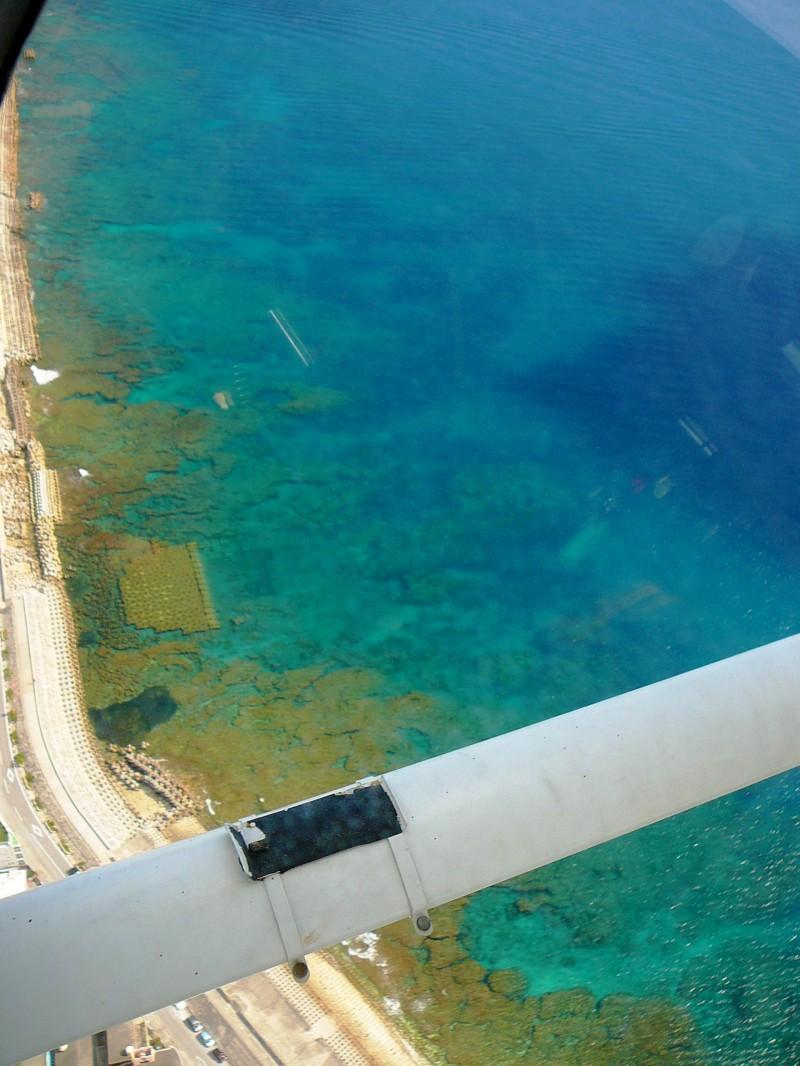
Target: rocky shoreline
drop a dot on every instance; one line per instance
(98, 815)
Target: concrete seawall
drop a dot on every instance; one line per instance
(50, 701)
(81, 797)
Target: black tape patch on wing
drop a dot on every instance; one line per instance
(318, 828)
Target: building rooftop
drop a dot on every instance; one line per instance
(12, 880)
(168, 1056)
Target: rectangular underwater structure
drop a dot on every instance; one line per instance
(165, 588)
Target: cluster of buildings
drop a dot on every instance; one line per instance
(122, 1045)
(13, 871)
(130, 1044)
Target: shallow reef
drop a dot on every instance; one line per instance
(459, 1009)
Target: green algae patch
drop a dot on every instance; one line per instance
(130, 721)
(262, 739)
(165, 589)
(311, 401)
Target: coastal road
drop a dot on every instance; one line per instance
(41, 852)
(172, 1029)
(243, 1048)
(173, 1033)
(253, 1024)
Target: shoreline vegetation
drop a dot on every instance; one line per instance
(100, 808)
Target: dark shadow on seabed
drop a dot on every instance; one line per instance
(708, 390)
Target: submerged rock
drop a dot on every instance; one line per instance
(129, 722)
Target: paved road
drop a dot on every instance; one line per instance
(173, 1030)
(39, 848)
(174, 1033)
(241, 1040)
(230, 1033)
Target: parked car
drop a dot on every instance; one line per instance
(219, 1055)
(193, 1023)
(206, 1039)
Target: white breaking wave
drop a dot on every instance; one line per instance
(364, 946)
(43, 377)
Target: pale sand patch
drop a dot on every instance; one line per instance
(183, 828)
(143, 804)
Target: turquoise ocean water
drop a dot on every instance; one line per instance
(546, 262)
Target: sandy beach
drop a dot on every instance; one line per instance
(96, 815)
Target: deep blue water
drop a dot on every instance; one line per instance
(547, 261)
